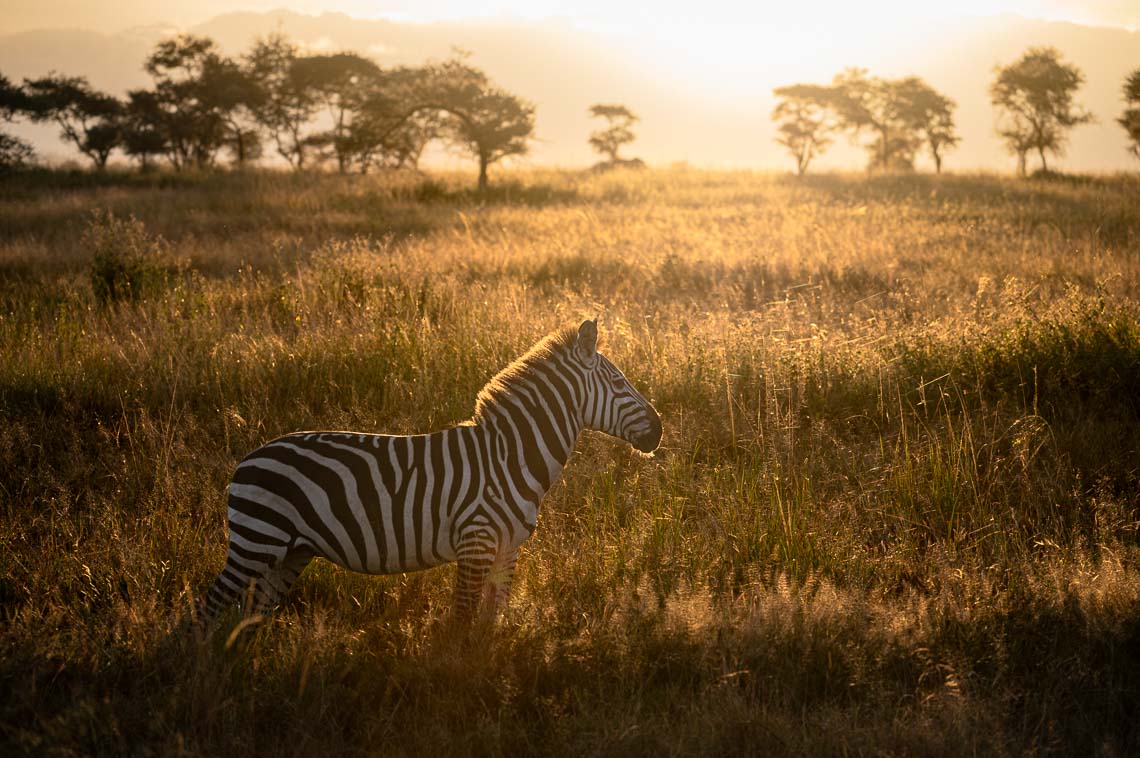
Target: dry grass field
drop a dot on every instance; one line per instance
(895, 510)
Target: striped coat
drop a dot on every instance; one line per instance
(384, 504)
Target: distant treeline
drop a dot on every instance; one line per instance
(1033, 97)
(343, 109)
(313, 110)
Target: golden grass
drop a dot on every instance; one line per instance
(895, 510)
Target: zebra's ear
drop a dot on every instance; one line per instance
(587, 347)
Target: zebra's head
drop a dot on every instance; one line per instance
(611, 404)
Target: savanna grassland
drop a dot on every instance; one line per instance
(895, 510)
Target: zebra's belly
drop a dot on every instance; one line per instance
(397, 545)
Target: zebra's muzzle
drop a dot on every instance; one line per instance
(648, 440)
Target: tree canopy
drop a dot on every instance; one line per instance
(806, 120)
(344, 109)
(341, 83)
(931, 115)
(311, 108)
(14, 152)
(200, 103)
(287, 104)
(901, 115)
(87, 118)
(390, 126)
(487, 122)
(13, 98)
(893, 111)
(1036, 109)
(617, 132)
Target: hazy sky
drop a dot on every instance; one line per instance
(19, 15)
(714, 44)
(688, 68)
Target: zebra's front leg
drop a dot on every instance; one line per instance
(498, 585)
(476, 554)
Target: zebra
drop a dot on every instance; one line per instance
(385, 504)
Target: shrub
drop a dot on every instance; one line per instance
(128, 263)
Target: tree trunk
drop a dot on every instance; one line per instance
(1044, 165)
(338, 144)
(937, 163)
(482, 173)
(298, 147)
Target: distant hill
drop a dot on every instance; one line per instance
(564, 69)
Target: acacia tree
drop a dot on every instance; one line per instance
(174, 109)
(201, 102)
(13, 99)
(179, 106)
(881, 107)
(288, 104)
(1034, 98)
(806, 121)
(932, 114)
(617, 132)
(901, 114)
(14, 152)
(392, 126)
(234, 93)
(143, 136)
(87, 118)
(385, 121)
(487, 122)
(341, 83)
(404, 146)
(1130, 119)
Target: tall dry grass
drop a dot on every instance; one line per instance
(895, 509)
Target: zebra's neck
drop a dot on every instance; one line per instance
(531, 433)
(531, 411)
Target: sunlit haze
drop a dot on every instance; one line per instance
(672, 19)
(683, 67)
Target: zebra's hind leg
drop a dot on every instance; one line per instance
(275, 583)
(239, 579)
(255, 575)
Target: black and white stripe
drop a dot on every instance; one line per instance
(385, 504)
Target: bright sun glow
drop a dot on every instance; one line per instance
(718, 46)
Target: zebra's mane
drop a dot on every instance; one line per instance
(504, 383)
